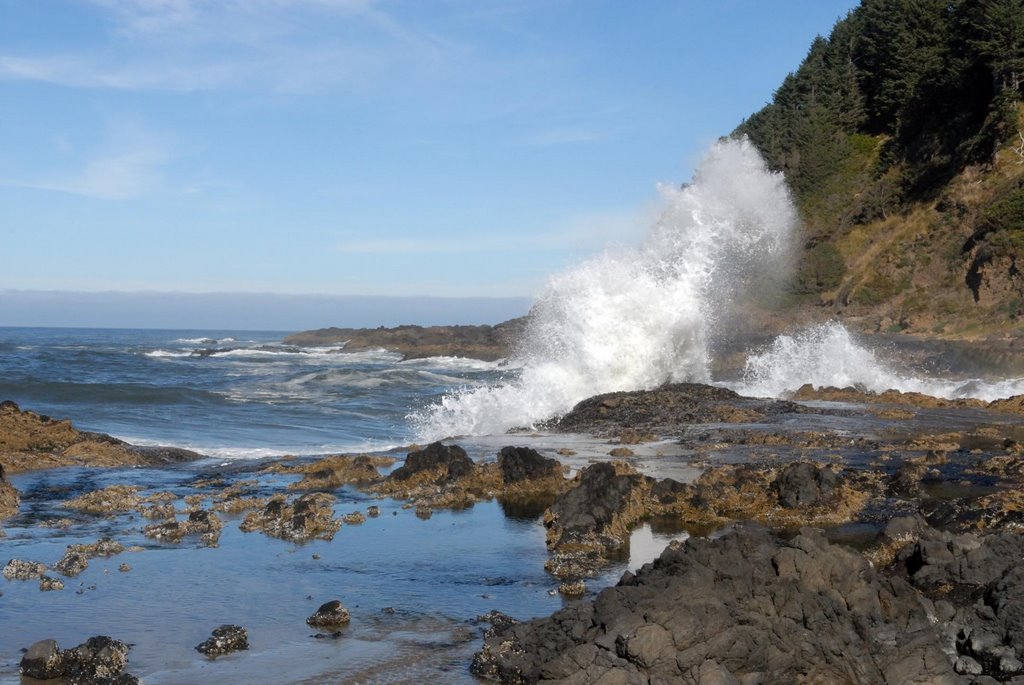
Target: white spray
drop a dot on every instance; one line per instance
(637, 318)
(827, 355)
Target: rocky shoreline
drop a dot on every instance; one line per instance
(925, 590)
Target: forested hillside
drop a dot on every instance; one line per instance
(900, 135)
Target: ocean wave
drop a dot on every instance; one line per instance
(204, 341)
(462, 363)
(631, 319)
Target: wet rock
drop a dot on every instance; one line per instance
(109, 500)
(667, 410)
(20, 569)
(71, 564)
(42, 661)
(803, 484)
(330, 473)
(621, 452)
(436, 462)
(746, 607)
(520, 464)
(76, 558)
(225, 639)
(331, 613)
(162, 511)
(99, 659)
(8, 496)
(906, 482)
(307, 517)
(595, 517)
(204, 523)
(498, 621)
(355, 518)
(574, 588)
(124, 568)
(373, 511)
(48, 584)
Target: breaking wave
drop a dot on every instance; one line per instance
(636, 318)
(828, 355)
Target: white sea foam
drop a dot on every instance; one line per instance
(636, 318)
(460, 363)
(633, 319)
(168, 353)
(204, 341)
(235, 452)
(828, 355)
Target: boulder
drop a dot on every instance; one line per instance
(437, 461)
(331, 613)
(42, 661)
(803, 484)
(745, 607)
(225, 639)
(519, 464)
(20, 569)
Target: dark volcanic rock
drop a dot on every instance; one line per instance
(331, 613)
(977, 585)
(667, 409)
(596, 505)
(594, 518)
(226, 639)
(100, 660)
(42, 661)
(522, 463)
(747, 607)
(803, 484)
(449, 461)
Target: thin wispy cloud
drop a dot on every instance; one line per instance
(278, 45)
(88, 72)
(128, 165)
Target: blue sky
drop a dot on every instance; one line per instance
(354, 147)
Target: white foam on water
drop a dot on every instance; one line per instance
(167, 354)
(236, 452)
(636, 318)
(828, 355)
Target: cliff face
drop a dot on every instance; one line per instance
(901, 138)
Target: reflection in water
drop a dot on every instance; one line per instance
(646, 545)
(525, 508)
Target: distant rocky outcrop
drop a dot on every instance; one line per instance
(487, 343)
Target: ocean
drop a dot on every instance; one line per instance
(229, 394)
